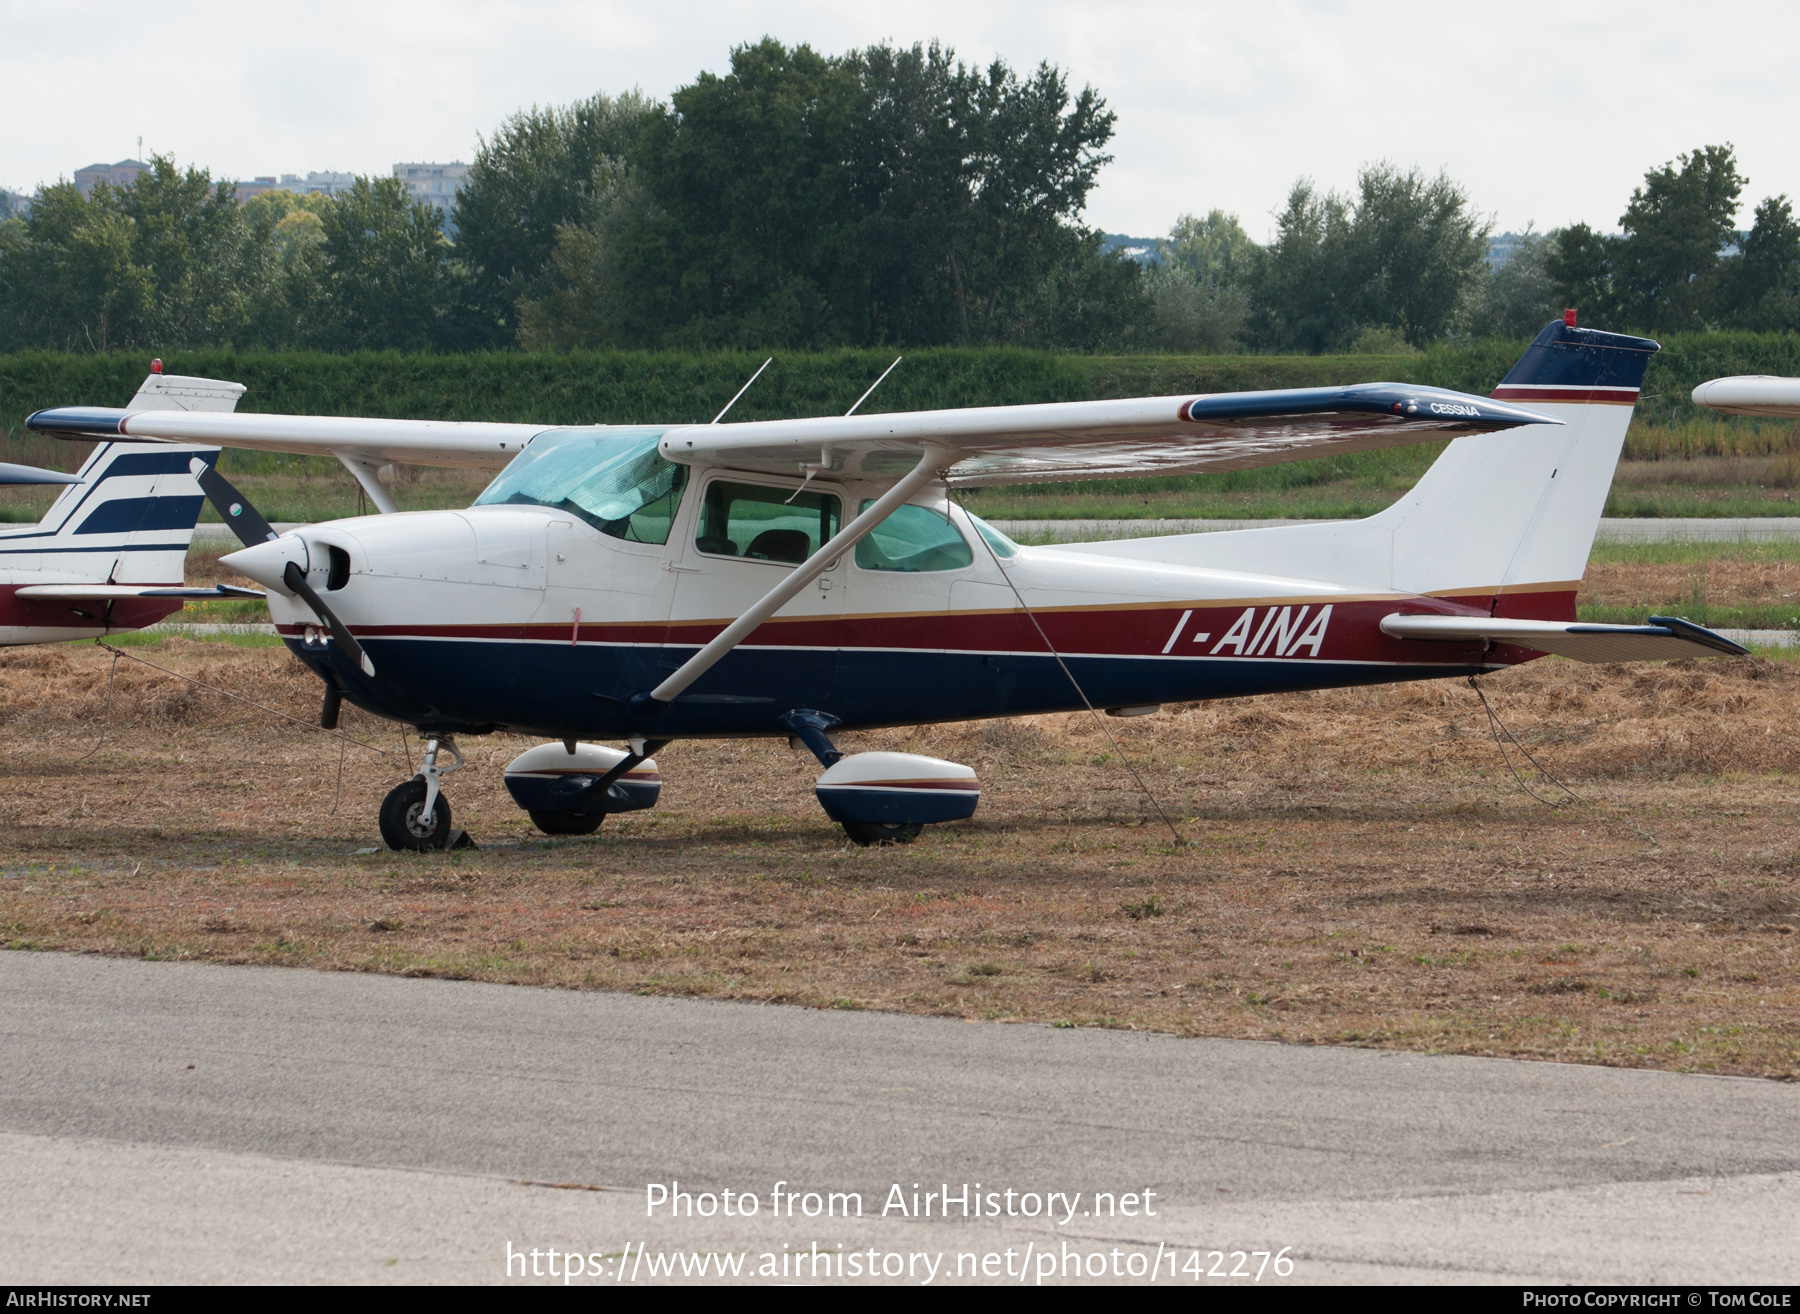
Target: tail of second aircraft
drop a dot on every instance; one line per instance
(1502, 520)
(129, 520)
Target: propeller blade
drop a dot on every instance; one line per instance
(295, 579)
(233, 507)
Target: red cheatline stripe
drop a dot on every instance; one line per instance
(578, 771)
(1545, 393)
(907, 784)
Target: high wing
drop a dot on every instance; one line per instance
(113, 592)
(1751, 394)
(986, 444)
(470, 444)
(1103, 439)
(1663, 638)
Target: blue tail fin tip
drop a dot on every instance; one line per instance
(1563, 356)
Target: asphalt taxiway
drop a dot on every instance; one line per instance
(175, 1122)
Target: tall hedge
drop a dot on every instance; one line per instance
(646, 387)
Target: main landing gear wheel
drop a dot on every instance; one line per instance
(866, 833)
(405, 823)
(567, 823)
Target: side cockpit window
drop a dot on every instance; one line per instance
(616, 480)
(911, 540)
(765, 524)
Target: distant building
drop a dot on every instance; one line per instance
(1147, 251)
(1500, 249)
(122, 174)
(434, 184)
(256, 187)
(14, 203)
(327, 183)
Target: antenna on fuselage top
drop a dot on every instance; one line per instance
(741, 391)
(865, 397)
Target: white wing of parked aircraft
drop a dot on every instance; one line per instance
(1751, 394)
(988, 444)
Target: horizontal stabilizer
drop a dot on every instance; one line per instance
(1664, 638)
(108, 592)
(30, 474)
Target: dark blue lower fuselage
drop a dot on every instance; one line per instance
(560, 690)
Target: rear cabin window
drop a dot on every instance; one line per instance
(765, 524)
(914, 538)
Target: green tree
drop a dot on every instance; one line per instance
(583, 310)
(1199, 292)
(67, 278)
(190, 235)
(1666, 271)
(1418, 251)
(1304, 289)
(165, 262)
(541, 172)
(910, 190)
(1520, 296)
(751, 240)
(1215, 249)
(1036, 154)
(889, 196)
(1762, 286)
(1407, 254)
(387, 281)
(1582, 265)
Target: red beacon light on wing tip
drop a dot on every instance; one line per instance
(156, 365)
(1569, 317)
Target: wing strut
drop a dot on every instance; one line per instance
(656, 702)
(364, 470)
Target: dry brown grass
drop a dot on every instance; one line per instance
(1720, 581)
(1361, 869)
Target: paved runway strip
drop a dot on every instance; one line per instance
(365, 1128)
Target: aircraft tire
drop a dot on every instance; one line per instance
(404, 829)
(567, 823)
(866, 833)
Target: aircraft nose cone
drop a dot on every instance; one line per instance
(265, 562)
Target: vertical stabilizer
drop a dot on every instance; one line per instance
(1503, 520)
(181, 392)
(129, 520)
(1517, 511)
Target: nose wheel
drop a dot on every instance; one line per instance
(415, 815)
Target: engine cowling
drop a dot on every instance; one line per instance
(897, 788)
(549, 778)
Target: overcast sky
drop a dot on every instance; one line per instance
(1547, 113)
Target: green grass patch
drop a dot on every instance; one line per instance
(1783, 616)
(146, 639)
(1657, 554)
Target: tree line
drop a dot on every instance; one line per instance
(885, 197)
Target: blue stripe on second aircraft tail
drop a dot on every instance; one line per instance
(127, 515)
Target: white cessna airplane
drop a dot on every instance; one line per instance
(794, 578)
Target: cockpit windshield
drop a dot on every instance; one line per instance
(612, 478)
